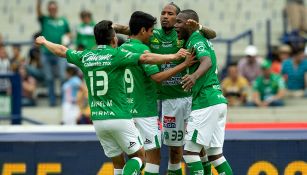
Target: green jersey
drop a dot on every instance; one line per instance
(85, 35)
(103, 70)
(268, 87)
(53, 29)
(206, 91)
(163, 43)
(142, 92)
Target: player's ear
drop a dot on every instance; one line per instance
(143, 30)
(114, 42)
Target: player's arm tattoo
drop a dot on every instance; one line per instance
(122, 29)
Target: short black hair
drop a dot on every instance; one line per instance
(85, 13)
(176, 6)
(72, 70)
(190, 14)
(141, 19)
(52, 3)
(296, 50)
(104, 32)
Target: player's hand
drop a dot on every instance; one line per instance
(189, 60)
(182, 53)
(188, 81)
(192, 25)
(40, 40)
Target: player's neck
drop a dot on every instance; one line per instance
(138, 37)
(167, 30)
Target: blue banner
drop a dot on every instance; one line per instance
(82, 154)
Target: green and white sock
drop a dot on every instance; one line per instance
(151, 169)
(206, 165)
(194, 164)
(174, 169)
(222, 167)
(132, 166)
(118, 171)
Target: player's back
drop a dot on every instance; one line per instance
(143, 92)
(103, 71)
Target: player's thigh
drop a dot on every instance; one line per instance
(219, 132)
(127, 136)
(104, 130)
(149, 130)
(201, 125)
(174, 114)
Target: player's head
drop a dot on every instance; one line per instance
(52, 8)
(168, 16)
(233, 72)
(71, 71)
(142, 24)
(86, 16)
(105, 34)
(181, 27)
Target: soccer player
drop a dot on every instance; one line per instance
(142, 88)
(176, 103)
(206, 125)
(103, 70)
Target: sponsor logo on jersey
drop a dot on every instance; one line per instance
(131, 145)
(169, 122)
(147, 141)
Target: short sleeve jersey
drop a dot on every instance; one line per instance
(268, 87)
(163, 43)
(206, 91)
(53, 29)
(103, 70)
(141, 90)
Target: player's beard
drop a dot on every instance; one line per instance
(167, 29)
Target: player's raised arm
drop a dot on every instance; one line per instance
(56, 49)
(189, 80)
(153, 58)
(39, 12)
(122, 29)
(207, 32)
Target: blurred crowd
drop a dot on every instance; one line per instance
(252, 81)
(255, 81)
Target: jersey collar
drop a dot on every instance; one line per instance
(194, 34)
(134, 40)
(103, 46)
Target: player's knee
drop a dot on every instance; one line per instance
(175, 153)
(191, 147)
(153, 156)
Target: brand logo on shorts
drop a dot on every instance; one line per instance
(169, 122)
(147, 141)
(131, 145)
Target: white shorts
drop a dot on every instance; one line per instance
(70, 113)
(207, 126)
(117, 136)
(175, 112)
(149, 129)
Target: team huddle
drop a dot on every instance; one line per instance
(176, 65)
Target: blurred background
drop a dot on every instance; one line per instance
(261, 53)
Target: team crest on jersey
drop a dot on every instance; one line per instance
(155, 40)
(169, 122)
(179, 43)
